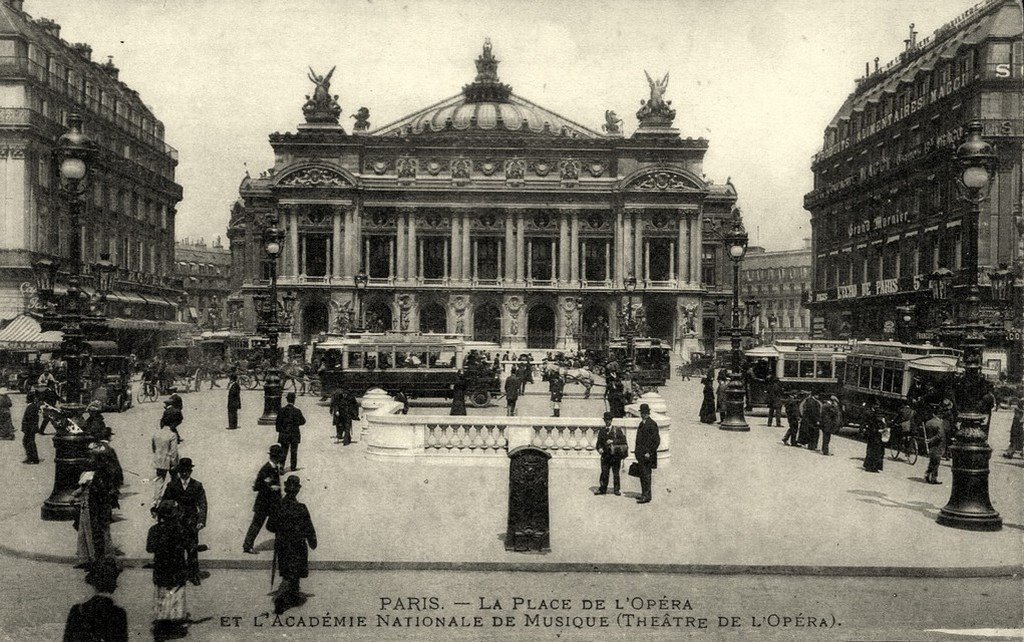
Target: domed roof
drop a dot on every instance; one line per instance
(487, 105)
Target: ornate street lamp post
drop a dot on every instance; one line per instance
(213, 313)
(269, 325)
(736, 241)
(234, 304)
(74, 153)
(753, 307)
(969, 506)
(773, 320)
(629, 332)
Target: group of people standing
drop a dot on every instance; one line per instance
(613, 448)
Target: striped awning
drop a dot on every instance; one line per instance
(24, 332)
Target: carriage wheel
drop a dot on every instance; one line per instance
(246, 381)
(314, 387)
(895, 449)
(480, 398)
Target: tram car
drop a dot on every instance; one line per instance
(653, 359)
(421, 365)
(108, 376)
(884, 371)
(812, 365)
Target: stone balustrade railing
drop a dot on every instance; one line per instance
(389, 435)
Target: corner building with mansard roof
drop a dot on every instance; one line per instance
(885, 210)
(489, 216)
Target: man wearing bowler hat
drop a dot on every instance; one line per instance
(289, 420)
(611, 444)
(295, 536)
(268, 496)
(646, 450)
(191, 498)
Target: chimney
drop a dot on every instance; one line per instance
(49, 26)
(876, 64)
(109, 67)
(867, 69)
(83, 50)
(913, 35)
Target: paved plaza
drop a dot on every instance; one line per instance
(722, 499)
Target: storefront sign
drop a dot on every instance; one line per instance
(846, 292)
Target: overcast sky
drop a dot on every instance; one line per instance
(759, 78)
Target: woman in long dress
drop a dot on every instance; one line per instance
(459, 396)
(6, 423)
(874, 456)
(707, 407)
(167, 541)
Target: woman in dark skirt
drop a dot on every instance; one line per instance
(167, 541)
(707, 408)
(874, 457)
(459, 396)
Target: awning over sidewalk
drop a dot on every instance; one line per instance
(25, 332)
(147, 324)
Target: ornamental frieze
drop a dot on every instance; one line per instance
(487, 167)
(378, 166)
(569, 170)
(596, 168)
(515, 169)
(434, 167)
(662, 181)
(406, 167)
(541, 167)
(461, 169)
(314, 177)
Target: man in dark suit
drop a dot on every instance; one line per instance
(268, 496)
(234, 401)
(774, 400)
(29, 428)
(611, 444)
(98, 618)
(646, 449)
(341, 415)
(191, 498)
(289, 420)
(294, 530)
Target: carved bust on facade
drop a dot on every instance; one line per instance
(362, 120)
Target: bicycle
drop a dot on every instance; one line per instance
(905, 444)
(148, 392)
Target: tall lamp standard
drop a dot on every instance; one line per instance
(773, 320)
(74, 153)
(269, 326)
(736, 241)
(629, 332)
(361, 280)
(969, 506)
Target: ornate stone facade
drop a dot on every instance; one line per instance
(489, 216)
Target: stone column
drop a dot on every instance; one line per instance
(293, 239)
(696, 246)
(638, 245)
(574, 247)
(400, 245)
(336, 246)
(619, 248)
(412, 270)
(456, 271)
(357, 239)
(510, 249)
(520, 246)
(627, 244)
(563, 247)
(467, 253)
(682, 251)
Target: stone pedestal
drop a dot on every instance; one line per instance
(374, 400)
(529, 519)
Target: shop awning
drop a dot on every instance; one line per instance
(24, 332)
(148, 324)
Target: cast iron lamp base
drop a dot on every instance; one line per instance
(271, 398)
(71, 459)
(969, 506)
(734, 398)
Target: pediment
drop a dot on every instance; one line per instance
(663, 179)
(318, 176)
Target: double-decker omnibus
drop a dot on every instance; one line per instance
(812, 364)
(883, 371)
(423, 365)
(652, 359)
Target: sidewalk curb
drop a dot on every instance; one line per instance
(579, 567)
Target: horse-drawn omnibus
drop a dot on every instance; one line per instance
(812, 365)
(652, 359)
(422, 365)
(884, 371)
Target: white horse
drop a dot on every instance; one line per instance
(580, 375)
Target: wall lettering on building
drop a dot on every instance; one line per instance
(867, 288)
(887, 286)
(846, 292)
(1006, 70)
